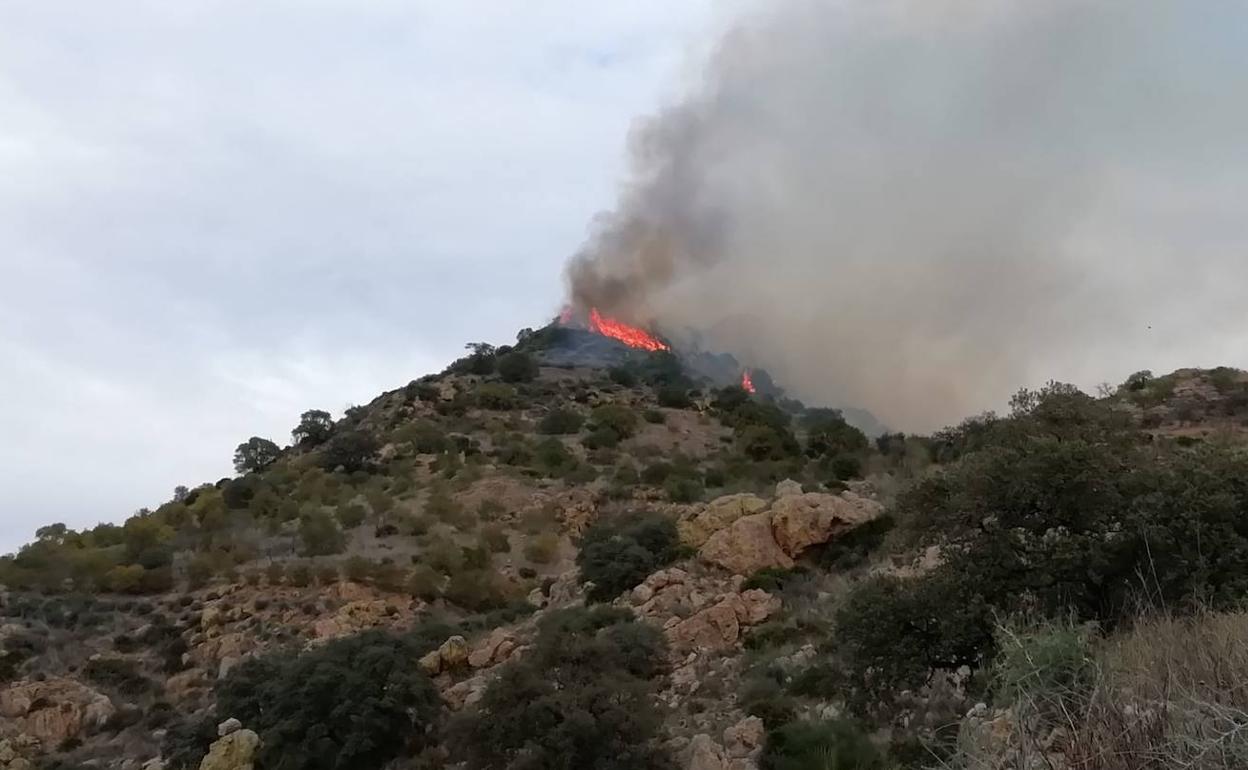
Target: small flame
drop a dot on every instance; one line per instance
(747, 382)
(618, 330)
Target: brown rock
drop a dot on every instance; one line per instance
(754, 606)
(714, 628)
(431, 663)
(54, 710)
(236, 751)
(718, 514)
(706, 754)
(800, 521)
(788, 487)
(454, 653)
(745, 737)
(745, 547)
(181, 685)
(488, 650)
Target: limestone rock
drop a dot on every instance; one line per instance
(745, 738)
(706, 754)
(454, 653)
(493, 649)
(787, 488)
(154, 764)
(230, 725)
(715, 628)
(754, 606)
(746, 547)
(431, 663)
(465, 693)
(800, 521)
(236, 751)
(54, 710)
(718, 514)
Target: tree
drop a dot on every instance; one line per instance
(828, 435)
(352, 451)
(255, 455)
(517, 366)
(357, 703)
(315, 427)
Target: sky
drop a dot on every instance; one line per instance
(217, 214)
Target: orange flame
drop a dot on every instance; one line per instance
(618, 330)
(747, 382)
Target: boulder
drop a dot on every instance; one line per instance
(55, 710)
(706, 754)
(718, 514)
(800, 521)
(454, 653)
(230, 725)
(719, 627)
(746, 547)
(236, 751)
(493, 649)
(745, 738)
(787, 488)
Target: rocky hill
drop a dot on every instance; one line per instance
(570, 553)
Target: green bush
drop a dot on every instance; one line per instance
(494, 538)
(356, 702)
(496, 396)
(517, 367)
(477, 590)
(351, 516)
(828, 435)
(674, 397)
(560, 422)
(683, 489)
(542, 549)
(618, 553)
(552, 458)
(320, 535)
(654, 417)
(622, 376)
(255, 455)
(352, 451)
(616, 419)
(831, 745)
(584, 697)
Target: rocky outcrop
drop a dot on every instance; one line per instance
(788, 487)
(745, 739)
(15, 754)
(706, 754)
(745, 547)
(799, 521)
(452, 655)
(54, 710)
(492, 650)
(719, 627)
(717, 515)
(235, 751)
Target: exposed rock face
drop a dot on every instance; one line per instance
(802, 520)
(236, 751)
(706, 754)
(230, 725)
(495, 648)
(717, 515)
(745, 739)
(13, 755)
(745, 547)
(54, 710)
(719, 627)
(453, 654)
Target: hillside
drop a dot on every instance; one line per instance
(573, 553)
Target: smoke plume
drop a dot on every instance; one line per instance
(918, 206)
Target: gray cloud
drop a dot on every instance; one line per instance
(215, 214)
(917, 207)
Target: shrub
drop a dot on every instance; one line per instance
(424, 583)
(357, 569)
(654, 417)
(327, 575)
(828, 435)
(118, 674)
(494, 539)
(617, 554)
(674, 397)
(622, 376)
(583, 697)
(320, 535)
(299, 575)
(616, 419)
(542, 549)
(352, 451)
(683, 489)
(552, 458)
(351, 516)
(275, 573)
(477, 590)
(559, 422)
(517, 367)
(364, 686)
(199, 570)
(496, 396)
(832, 745)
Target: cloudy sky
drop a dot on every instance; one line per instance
(215, 214)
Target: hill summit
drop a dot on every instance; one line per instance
(581, 552)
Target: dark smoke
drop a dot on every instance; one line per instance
(917, 206)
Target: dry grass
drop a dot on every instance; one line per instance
(1170, 694)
